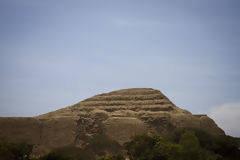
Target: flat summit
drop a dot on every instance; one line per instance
(119, 114)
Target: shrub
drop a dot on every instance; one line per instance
(55, 156)
(112, 157)
(9, 150)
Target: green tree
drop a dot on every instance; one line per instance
(190, 146)
(14, 151)
(146, 147)
(167, 150)
(140, 147)
(22, 151)
(112, 157)
(222, 147)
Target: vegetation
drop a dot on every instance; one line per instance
(55, 156)
(16, 151)
(112, 157)
(156, 148)
(183, 144)
(226, 146)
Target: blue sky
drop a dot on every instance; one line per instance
(55, 53)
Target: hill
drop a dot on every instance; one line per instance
(117, 115)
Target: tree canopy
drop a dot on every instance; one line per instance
(183, 144)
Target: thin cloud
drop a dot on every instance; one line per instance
(227, 116)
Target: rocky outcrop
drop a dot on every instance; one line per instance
(119, 115)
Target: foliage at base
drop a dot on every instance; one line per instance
(112, 157)
(183, 144)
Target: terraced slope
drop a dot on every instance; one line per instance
(138, 99)
(118, 114)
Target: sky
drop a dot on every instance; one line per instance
(55, 53)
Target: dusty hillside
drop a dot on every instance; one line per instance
(119, 115)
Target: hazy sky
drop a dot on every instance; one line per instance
(55, 53)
